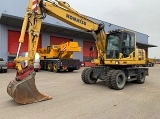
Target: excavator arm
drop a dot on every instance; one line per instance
(22, 89)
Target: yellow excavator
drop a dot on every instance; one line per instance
(117, 52)
(60, 57)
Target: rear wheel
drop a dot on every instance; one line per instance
(50, 67)
(70, 70)
(118, 80)
(141, 77)
(89, 76)
(55, 68)
(5, 70)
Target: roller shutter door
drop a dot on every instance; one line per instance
(58, 40)
(13, 42)
(87, 54)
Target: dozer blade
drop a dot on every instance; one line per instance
(25, 91)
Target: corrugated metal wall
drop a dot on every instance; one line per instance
(3, 42)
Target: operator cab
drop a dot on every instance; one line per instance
(120, 41)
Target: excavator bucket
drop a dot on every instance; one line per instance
(25, 91)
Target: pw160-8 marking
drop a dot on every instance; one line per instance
(75, 19)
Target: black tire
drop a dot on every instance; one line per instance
(118, 80)
(108, 78)
(55, 67)
(36, 70)
(141, 77)
(70, 70)
(42, 65)
(83, 75)
(50, 67)
(89, 76)
(5, 70)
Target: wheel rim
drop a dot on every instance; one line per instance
(142, 76)
(55, 67)
(91, 76)
(120, 80)
(49, 66)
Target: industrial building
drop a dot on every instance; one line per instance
(53, 31)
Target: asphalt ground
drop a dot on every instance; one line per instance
(72, 99)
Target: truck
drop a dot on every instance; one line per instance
(58, 58)
(149, 62)
(3, 65)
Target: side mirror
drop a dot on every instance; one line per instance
(91, 48)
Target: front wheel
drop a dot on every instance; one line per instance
(89, 76)
(118, 80)
(83, 75)
(108, 78)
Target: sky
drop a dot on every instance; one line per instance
(138, 15)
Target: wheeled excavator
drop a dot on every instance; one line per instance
(60, 57)
(117, 52)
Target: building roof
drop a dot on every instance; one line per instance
(46, 27)
(144, 45)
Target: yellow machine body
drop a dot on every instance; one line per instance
(62, 51)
